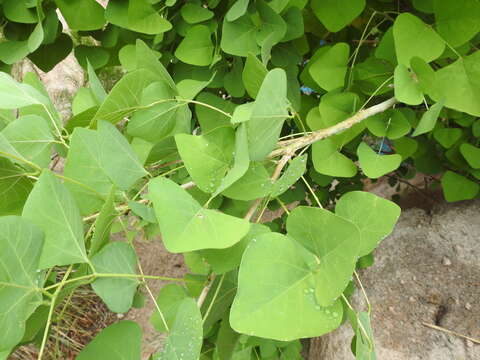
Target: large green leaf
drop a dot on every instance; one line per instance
(328, 160)
(239, 37)
(185, 338)
(295, 170)
(276, 292)
(457, 187)
(268, 114)
(459, 85)
(374, 216)
(20, 247)
(335, 243)
(186, 226)
(415, 38)
(157, 122)
(94, 165)
(52, 208)
(82, 14)
(120, 341)
(375, 165)
(197, 47)
(116, 105)
(15, 95)
(236, 10)
(47, 56)
(116, 292)
(457, 21)
(30, 135)
(15, 187)
(137, 16)
(336, 14)
(210, 119)
(329, 69)
(207, 158)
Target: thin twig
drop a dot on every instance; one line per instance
(439, 328)
(206, 289)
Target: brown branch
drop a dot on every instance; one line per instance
(293, 145)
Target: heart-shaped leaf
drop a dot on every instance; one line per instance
(186, 226)
(276, 296)
(375, 165)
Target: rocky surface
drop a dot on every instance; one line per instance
(426, 272)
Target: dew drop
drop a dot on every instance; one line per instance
(335, 314)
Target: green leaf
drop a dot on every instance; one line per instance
(20, 247)
(238, 9)
(194, 13)
(83, 100)
(232, 81)
(95, 55)
(457, 187)
(157, 122)
(407, 89)
(295, 170)
(137, 16)
(120, 341)
(116, 292)
(239, 37)
(405, 147)
(52, 208)
(392, 124)
(457, 21)
(186, 335)
(328, 160)
(375, 165)
(82, 14)
(197, 47)
(116, 105)
(96, 86)
(94, 165)
(294, 19)
(253, 75)
(15, 188)
(335, 243)
(374, 217)
(336, 14)
(471, 154)
(240, 163)
(415, 38)
(254, 184)
(364, 347)
(148, 59)
(36, 37)
(207, 157)
(13, 51)
(225, 260)
(329, 69)
(276, 292)
(31, 137)
(268, 115)
(103, 223)
(15, 95)
(210, 119)
(429, 119)
(447, 137)
(47, 56)
(459, 85)
(18, 11)
(186, 226)
(168, 300)
(273, 27)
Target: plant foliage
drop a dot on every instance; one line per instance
(227, 109)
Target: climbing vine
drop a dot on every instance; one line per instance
(227, 111)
